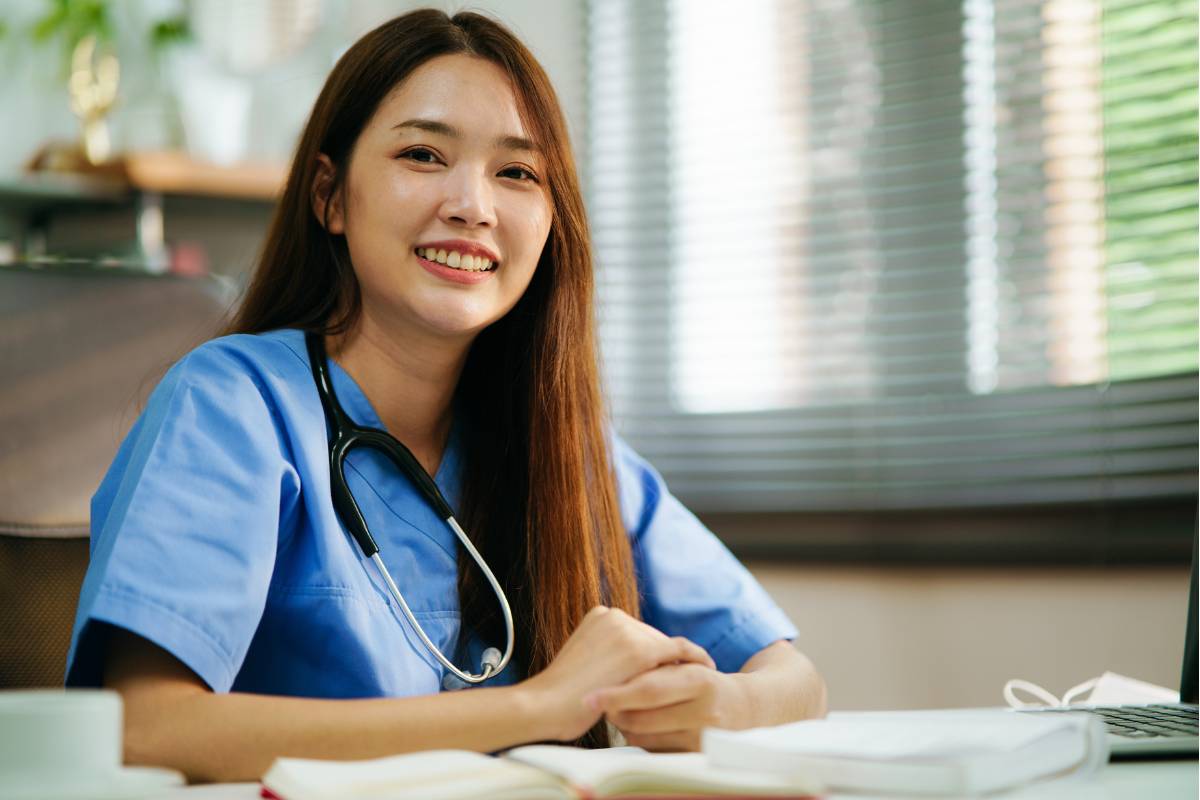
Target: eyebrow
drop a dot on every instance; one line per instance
(433, 126)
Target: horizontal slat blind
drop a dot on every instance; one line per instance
(874, 255)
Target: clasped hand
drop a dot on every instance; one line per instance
(659, 691)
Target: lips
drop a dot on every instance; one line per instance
(453, 275)
(463, 247)
(456, 260)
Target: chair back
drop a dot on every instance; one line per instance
(80, 350)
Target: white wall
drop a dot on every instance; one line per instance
(897, 637)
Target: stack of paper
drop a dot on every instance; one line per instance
(918, 753)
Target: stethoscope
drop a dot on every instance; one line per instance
(344, 436)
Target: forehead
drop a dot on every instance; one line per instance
(465, 91)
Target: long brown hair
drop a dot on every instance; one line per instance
(539, 494)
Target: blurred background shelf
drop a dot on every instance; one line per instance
(175, 173)
(48, 190)
(136, 214)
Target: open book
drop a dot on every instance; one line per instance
(953, 752)
(537, 772)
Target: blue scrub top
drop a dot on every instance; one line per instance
(214, 536)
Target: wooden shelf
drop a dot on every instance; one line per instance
(161, 172)
(176, 173)
(142, 183)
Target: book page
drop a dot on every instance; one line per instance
(432, 775)
(631, 770)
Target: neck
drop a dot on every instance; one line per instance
(408, 375)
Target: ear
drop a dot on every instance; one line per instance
(325, 198)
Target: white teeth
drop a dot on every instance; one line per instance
(455, 259)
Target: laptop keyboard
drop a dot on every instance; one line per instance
(1140, 722)
(1143, 722)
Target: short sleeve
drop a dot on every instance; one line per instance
(691, 584)
(186, 523)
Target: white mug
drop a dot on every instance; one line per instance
(60, 744)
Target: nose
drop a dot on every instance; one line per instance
(468, 200)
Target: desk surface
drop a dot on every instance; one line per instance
(1162, 780)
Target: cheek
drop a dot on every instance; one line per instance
(381, 202)
(535, 236)
(535, 231)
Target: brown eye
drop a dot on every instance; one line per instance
(418, 155)
(520, 171)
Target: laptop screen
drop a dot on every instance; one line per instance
(1187, 683)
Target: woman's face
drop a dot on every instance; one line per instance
(443, 170)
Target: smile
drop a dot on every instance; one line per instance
(457, 260)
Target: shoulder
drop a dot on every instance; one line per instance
(251, 375)
(256, 356)
(639, 486)
(629, 465)
(266, 363)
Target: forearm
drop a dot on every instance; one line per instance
(172, 718)
(778, 684)
(235, 737)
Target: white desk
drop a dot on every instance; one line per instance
(1161, 780)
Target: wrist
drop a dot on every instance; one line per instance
(741, 708)
(531, 713)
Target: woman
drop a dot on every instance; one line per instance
(432, 242)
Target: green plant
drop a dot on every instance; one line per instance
(72, 21)
(167, 32)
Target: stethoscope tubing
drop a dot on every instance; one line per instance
(346, 435)
(489, 667)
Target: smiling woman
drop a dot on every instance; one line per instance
(427, 280)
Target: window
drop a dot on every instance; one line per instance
(874, 255)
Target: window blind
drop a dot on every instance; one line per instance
(881, 255)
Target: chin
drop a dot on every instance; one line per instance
(458, 326)
(451, 316)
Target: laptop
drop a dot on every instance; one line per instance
(1157, 730)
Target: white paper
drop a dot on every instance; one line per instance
(911, 735)
(1112, 689)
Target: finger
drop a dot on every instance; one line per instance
(690, 715)
(663, 719)
(673, 742)
(690, 651)
(659, 687)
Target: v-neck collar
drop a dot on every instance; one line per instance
(355, 402)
